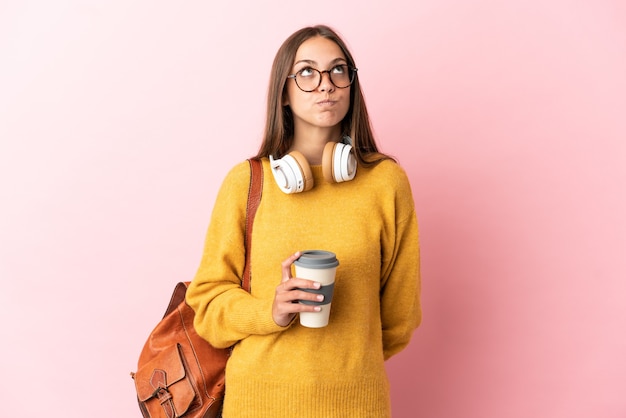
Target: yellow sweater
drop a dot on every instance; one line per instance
(297, 372)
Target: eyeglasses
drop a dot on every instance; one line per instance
(309, 79)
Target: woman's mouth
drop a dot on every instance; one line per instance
(326, 103)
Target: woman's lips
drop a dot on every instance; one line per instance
(326, 103)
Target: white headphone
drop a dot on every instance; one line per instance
(293, 173)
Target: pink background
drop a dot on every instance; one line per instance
(119, 119)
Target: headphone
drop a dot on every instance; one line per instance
(293, 173)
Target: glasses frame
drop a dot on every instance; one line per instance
(353, 71)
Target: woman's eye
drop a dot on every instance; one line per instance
(339, 69)
(306, 72)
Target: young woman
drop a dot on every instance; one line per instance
(357, 204)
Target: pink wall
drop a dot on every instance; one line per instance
(119, 119)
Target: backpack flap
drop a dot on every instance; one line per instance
(163, 383)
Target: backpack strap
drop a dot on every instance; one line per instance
(254, 198)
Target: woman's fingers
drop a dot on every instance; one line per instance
(286, 266)
(290, 291)
(296, 283)
(294, 290)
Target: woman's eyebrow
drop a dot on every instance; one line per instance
(312, 62)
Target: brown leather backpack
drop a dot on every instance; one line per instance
(179, 374)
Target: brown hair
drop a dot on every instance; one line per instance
(279, 127)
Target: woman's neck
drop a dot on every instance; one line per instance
(311, 145)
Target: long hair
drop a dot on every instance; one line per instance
(279, 125)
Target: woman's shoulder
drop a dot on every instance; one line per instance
(389, 166)
(237, 179)
(239, 173)
(390, 183)
(389, 172)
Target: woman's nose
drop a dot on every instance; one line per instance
(326, 84)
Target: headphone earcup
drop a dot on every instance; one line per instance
(338, 162)
(305, 170)
(292, 173)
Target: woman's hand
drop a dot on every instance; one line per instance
(287, 295)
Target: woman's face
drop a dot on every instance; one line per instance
(326, 105)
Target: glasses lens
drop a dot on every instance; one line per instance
(341, 76)
(308, 79)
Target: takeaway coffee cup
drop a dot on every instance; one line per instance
(319, 266)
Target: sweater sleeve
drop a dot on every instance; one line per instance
(224, 312)
(400, 275)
